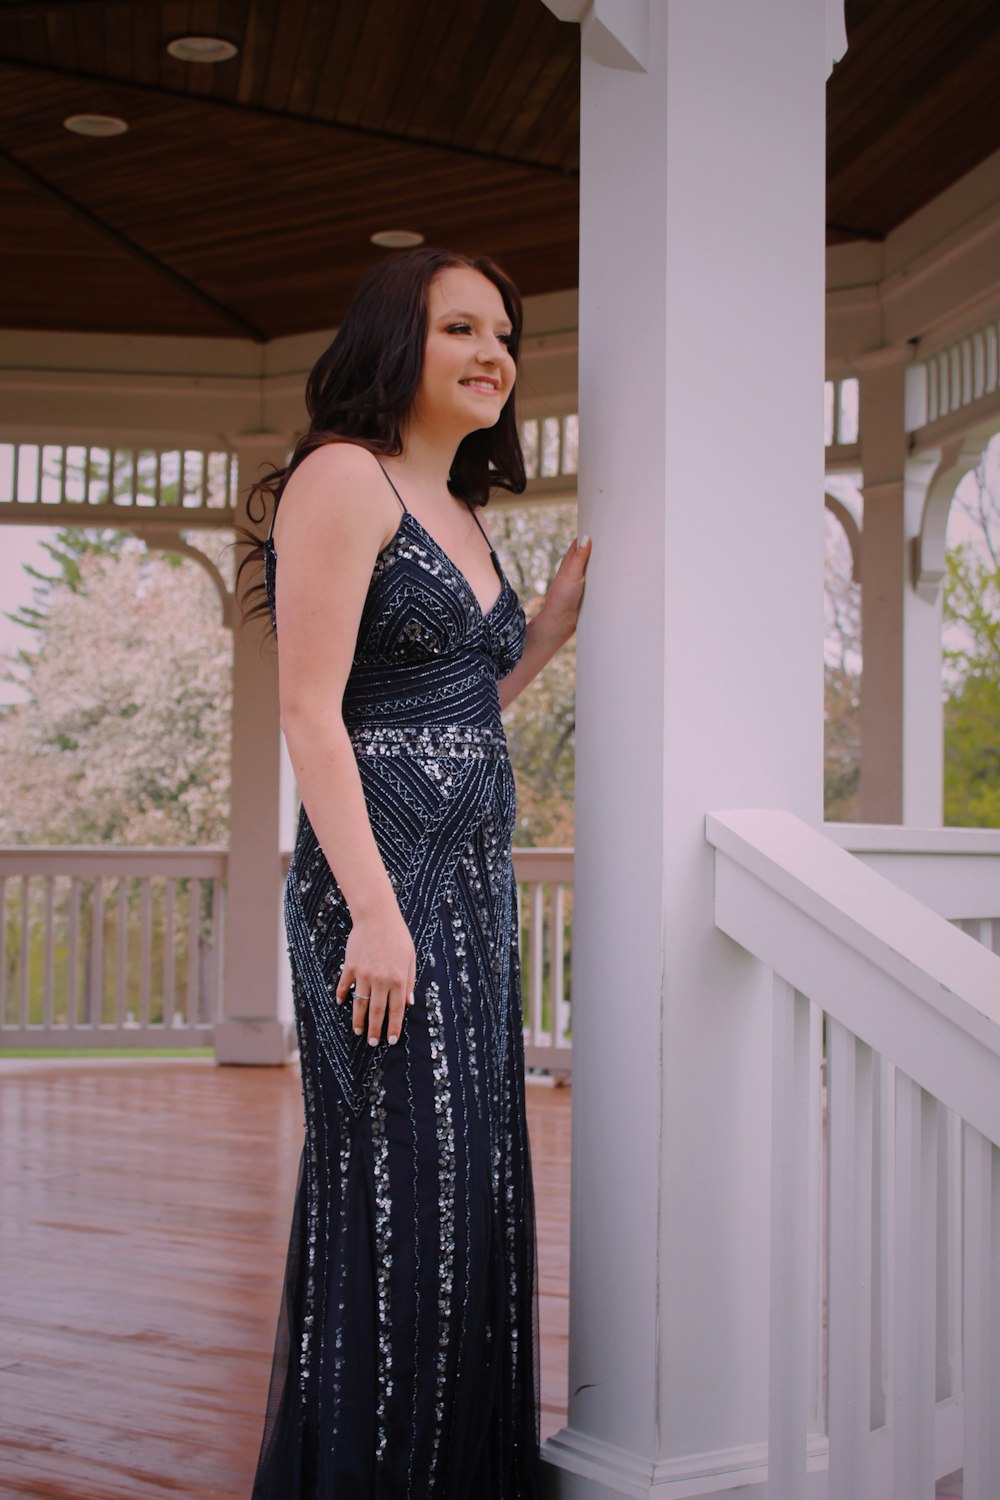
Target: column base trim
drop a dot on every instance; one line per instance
(246, 1042)
(570, 1456)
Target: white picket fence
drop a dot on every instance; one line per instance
(884, 1169)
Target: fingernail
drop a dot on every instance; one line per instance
(358, 1030)
(584, 540)
(409, 998)
(393, 1040)
(373, 1041)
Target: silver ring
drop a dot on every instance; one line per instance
(361, 997)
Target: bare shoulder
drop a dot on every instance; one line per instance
(338, 487)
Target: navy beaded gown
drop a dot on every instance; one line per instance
(406, 1357)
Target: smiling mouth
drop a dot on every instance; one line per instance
(487, 387)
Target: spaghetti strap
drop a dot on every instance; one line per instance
(394, 489)
(482, 529)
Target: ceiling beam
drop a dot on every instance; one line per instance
(122, 241)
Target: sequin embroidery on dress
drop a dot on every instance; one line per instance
(406, 1356)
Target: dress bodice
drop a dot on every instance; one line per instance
(426, 652)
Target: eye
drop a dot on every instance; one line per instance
(505, 338)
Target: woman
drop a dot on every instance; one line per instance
(406, 1362)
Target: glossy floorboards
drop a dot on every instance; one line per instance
(144, 1214)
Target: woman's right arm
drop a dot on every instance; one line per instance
(333, 519)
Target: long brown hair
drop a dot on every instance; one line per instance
(362, 388)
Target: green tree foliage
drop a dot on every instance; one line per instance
(972, 664)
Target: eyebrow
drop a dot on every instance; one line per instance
(461, 312)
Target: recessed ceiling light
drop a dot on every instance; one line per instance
(95, 124)
(397, 239)
(202, 49)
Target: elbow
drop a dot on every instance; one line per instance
(302, 723)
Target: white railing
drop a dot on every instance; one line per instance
(146, 900)
(545, 891)
(110, 946)
(884, 1170)
(52, 483)
(953, 377)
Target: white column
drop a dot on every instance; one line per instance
(700, 688)
(902, 723)
(258, 1025)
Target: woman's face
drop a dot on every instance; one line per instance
(468, 372)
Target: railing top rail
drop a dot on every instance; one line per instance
(75, 859)
(891, 838)
(865, 950)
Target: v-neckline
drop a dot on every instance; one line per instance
(453, 565)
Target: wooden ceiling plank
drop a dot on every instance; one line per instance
(434, 23)
(203, 20)
(308, 66)
(383, 52)
(552, 70)
(534, 62)
(285, 42)
(904, 166)
(513, 54)
(905, 52)
(446, 86)
(89, 30)
(148, 43)
(118, 40)
(338, 61)
(61, 31)
(228, 314)
(934, 112)
(261, 17)
(555, 134)
(231, 27)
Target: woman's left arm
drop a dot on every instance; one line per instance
(554, 623)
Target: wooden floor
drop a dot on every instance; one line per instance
(144, 1216)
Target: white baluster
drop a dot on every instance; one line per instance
(169, 956)
(790, 1373)
(981, 1399)
(556, 963)
(97, 952)
(72, 977)
(145, 949)
(121, 957)
(914, 1278)
(850, 1124)
(193, 987)
(48, 981)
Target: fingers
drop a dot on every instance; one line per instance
(372, 1002)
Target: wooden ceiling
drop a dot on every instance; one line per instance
(241, 200)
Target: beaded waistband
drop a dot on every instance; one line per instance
(451, 741)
